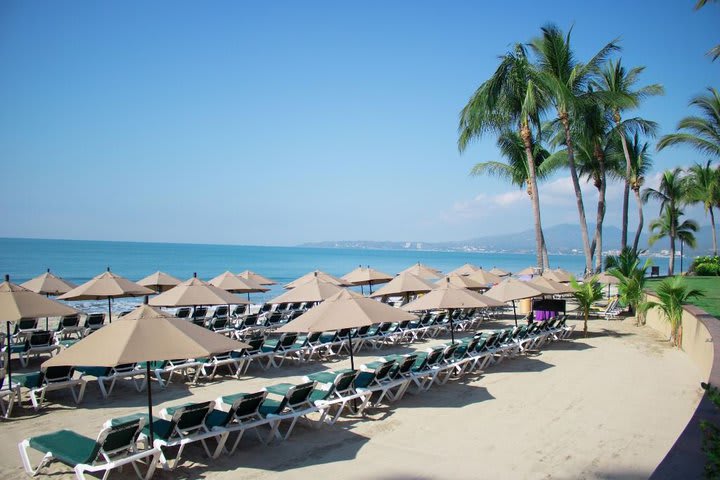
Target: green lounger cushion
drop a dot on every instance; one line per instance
(67, 446)
(327, 377)
(217, 418)
(280, 388)
(270, 406)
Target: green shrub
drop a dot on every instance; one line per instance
(706, 266)
(711, 437)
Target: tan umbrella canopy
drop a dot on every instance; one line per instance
(527, 271)
(322, 276)
(511, 289)
(366, 276)
(256, 277)
(606, 279)
(194, 292)
(558, 275)
(345, 309)
(313, 290)
(159, 281)
(404, 284)
(146, 334)
(106, 285)
(230, 282)
(48, 284)
(499, 272)
(484, 277)
(17, 302)
(467, 269)
(461, 281)
(450, 297)
(423, 271)
(551, 285)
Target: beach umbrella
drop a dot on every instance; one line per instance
(546, 283)
(48, 284)
(461, 281)
(450, 297)
(510, 290)
(405, 284)
(423, 271)
(159, 281)
(230, 282)
(106, 285)
(325, 277)
(314, 290)
(484, 277)
(465, 270)
(366, 276)
(499, 272)
(17, 302)
(559, 275)
(528, 271)
(194, 292)
(345, 310)
(606, 279)
(146, 334)
(256, 277)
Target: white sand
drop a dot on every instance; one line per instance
(609, 406)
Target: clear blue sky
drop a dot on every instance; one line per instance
(283, 122)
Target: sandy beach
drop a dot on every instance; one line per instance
(607, 406)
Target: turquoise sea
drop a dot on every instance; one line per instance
(80, 260)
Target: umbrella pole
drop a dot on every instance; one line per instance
(452, 326)
(9, 368)
(46, 318)
(370, 287)
(352, 360)
(514, 313)
(150, 417)
(109, 311)
(362, 292)
(608, 290)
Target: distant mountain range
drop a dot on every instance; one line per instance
(563, 238)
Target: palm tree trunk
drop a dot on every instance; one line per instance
(587, 314)
(640, 219)
(626, 189)
(671, 267)
(600, 209)
(714, 235)
(534, 196)
(546, 259)
(578, 193)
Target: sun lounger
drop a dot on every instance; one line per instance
(8, 396)
(186, 425)
(69, 327)
(294, 405)
(244, 411)
(111, 375)
(276, 351)
(381, 379)
(93, 321)
(209, 366)
(36, 344)
(183, 312)
(54, 378)
(181, 366)
(24, 327)
(337, 391)
(115, 446)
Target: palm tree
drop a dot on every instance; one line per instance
(703, 186)
(618, 85)
(564, 81)
(714, 52)
(699, 132)
(626, 268)
(640, 164)
(668, 225)
(673, 293)
(510, 99)
(516, 169)
(586, 293)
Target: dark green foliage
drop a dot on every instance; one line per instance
(711, 436)
(706, 266)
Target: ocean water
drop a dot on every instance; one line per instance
(80, 260)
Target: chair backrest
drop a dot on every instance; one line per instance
(287, 340)
(345, 380)
(407, 364)
(95, 320)
(383, 371)
(192, 417)
(26, 324)
(221, 312)
(266, 307)
(250, 321)
(57, 374)
(42, 338)
(313, 337)
(274, 317)
(449, 352)
(254, 345)
(183, 312)
(299, 394)
(248, 405)
(342, 334)
(200, 312)
(118, 438)
(362, 331)
(69, 321)
(218, 323)
(239, 310)
(435, 355)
